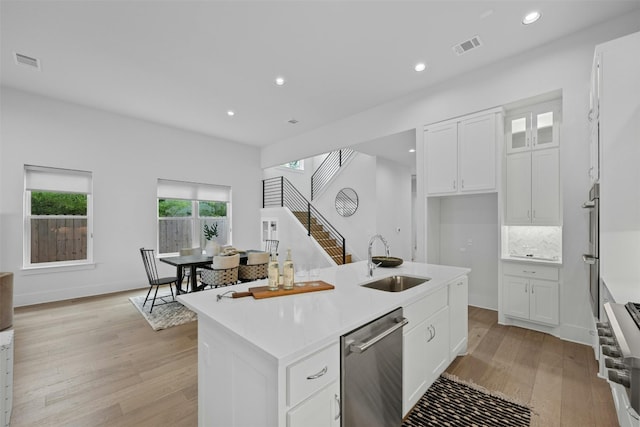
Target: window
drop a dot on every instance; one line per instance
(184, 208)
(58, 217)
(297, 165)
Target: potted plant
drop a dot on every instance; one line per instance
(212, 247)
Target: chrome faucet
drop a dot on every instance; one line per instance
(370, 265)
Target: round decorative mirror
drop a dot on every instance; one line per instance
(346, 202)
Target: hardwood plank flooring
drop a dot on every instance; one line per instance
(96, 362)
(556, 378)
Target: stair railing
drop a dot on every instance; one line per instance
(279, 192)
(328, 168)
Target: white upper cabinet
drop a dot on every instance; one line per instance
(461, 154)
(534, 128)
(442, 159)
(532, 166)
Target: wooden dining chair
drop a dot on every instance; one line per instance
(149, 260)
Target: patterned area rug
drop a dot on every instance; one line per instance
(163, 316)
(452, 402)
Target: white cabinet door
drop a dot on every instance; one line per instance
(518, 183)
(477, 153)
(437, 344)
(320, 410)
(545, 187)
(459, 317)
(518, 130)
(515, 295)
(442, 159)
(545, 127)
(415, 369)
(543, 301)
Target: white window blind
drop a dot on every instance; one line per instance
(168, 189)
(38, 178)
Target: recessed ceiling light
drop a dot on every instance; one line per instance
(412, 150)
(279, 81)
(420, 66)
(231, 113)
(292, 121)
(531, 17)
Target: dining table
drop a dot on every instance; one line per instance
(192, 262)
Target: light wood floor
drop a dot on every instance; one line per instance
(96, 362)
(556, 378)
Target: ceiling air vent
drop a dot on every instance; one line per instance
(467, 45)
(28, 61)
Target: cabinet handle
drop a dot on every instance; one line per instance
(339, 407)
(532, 288)
(454, 184)
(534, 140)
(527, 143)
(534, 214)
(432, 333)
(528, 214)
(529, 271)
(526, 288)
(319, 374)
(590, 116)
(463, 183)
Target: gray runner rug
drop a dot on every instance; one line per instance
(451, 402)
(163, 316)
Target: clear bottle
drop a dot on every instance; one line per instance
(274, 273)
(287, 271)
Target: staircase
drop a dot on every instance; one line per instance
(328, 168)
(279, 192)
(323, 238)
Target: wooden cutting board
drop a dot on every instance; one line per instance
(260, 292)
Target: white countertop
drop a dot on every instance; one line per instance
(510, 258)
(291, 326)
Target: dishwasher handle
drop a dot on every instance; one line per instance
(360, 348)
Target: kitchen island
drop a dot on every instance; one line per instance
(276, 361)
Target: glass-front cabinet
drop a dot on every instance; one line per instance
(533, 128)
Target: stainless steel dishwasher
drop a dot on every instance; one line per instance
(371, 373)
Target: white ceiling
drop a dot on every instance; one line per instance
(185, 63)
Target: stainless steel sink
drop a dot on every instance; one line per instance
(396, 283)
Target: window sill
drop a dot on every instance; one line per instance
(56, 268)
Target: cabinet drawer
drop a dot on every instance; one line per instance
(313, 373)
(424, 308)
(529, 270)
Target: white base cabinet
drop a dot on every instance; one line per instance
(459, 316)
(320, 410)
(437, 333)
(528, 298)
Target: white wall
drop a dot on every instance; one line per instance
(305, 251)
(468, 237)
(393, 211)
(359, 174)
(564, 65)
(126, 156)
(376, 181)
